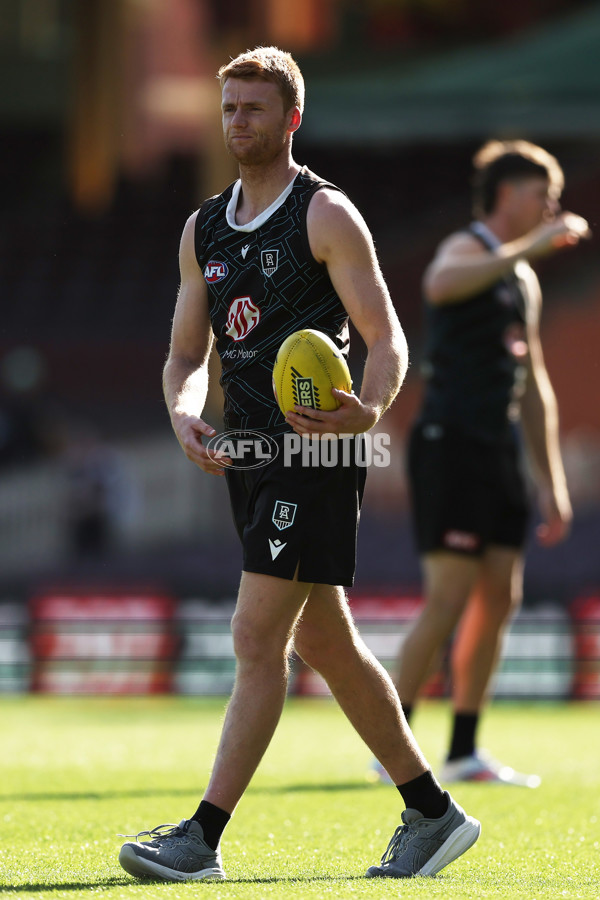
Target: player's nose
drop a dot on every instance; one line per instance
(238, 119)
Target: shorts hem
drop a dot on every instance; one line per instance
(257, 569)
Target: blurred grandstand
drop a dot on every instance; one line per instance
(110, 138)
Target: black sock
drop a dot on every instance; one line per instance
(407, 710)
(213, 821)
(425, 794)
(463, 735)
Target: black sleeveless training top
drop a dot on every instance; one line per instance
(263, 284)
(474, 356)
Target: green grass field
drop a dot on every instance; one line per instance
(77, 771)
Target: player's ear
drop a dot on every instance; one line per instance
(295, 119)
(504, 193)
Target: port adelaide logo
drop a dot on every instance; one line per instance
(215, 271)
(284, 514)
(269, 261)
(304, 391)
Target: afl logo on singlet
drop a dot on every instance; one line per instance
(215, 271)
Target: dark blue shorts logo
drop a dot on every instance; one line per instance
(284, 514)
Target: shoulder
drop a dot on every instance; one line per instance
(460, 243)
(189, 228)
(217, 199)
(212, 206)
(200, 225)
(310, 180)
(188, 247)
(331, 208)
(335, 226)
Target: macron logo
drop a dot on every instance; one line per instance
(276, 548)
(245, 251)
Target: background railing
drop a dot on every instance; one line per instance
(150, 642)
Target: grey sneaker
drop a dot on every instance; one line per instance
(174, 853)
(424, 846)
(481, 767)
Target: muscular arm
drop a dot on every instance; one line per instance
(185, 376)
(340, 239)
(539, 417)
(462, 266)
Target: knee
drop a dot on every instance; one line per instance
(251, 644)
(441, 613)
(505, 603)
(322, 650)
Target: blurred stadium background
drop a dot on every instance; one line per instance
(118, 560)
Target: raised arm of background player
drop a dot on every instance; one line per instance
(185, 376)
(340, 239)
(463, 267)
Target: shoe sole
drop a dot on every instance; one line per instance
(458, 843)
(514, 780)
(145, 868)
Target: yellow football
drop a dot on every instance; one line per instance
(307, 366)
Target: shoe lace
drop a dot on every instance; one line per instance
(161, 831)
(396, 845)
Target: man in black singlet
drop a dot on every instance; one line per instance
(484, 371)
(278, 251)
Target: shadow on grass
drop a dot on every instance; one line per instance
(309, 879)
(125, 881)
(329, 787)
(67, 885)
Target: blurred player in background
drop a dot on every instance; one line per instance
(484, 377)
(278, 251)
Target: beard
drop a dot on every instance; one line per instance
(259, 150)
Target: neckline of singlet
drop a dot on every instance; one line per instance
(262, 217)
(486, 234)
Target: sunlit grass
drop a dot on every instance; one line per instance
(77, 771)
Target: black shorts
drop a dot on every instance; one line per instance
(466, 494)
(290, 515)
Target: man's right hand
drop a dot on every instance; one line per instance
(565, 230)
(189, 431)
